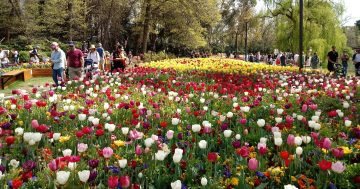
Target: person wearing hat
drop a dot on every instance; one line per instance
(75, 61)
(58, 60)
(101, 52)
(94, 56)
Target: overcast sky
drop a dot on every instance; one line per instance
(352, 10)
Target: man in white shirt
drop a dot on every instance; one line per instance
(58, 60)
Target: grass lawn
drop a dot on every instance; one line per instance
(28, 85)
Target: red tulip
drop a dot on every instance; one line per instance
(113, 181)
(16, 183)
(212, 156)
(99, 132)
(79, 134)
(243, 151)
(338, 152)
(284, 155)
(125, 181)
(10, 140)
(325, 165)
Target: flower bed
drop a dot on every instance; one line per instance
(206, 123)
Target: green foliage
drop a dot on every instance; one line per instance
(24, 56)
(151, 56)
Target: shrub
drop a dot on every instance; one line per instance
(24, 56)
(152, 56)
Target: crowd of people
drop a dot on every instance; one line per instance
(76, 63)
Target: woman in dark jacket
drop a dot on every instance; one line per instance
(119, 59)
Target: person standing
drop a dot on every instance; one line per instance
(58, 60)
(118, 59)
(283, 59)
(344, 60)
(332, 59)
(94, 56)
(314, 61)
(16, 56)
(75, 61)
(356, 61)
(101, 52)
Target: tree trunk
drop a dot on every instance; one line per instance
(70, 21)
(146, 28)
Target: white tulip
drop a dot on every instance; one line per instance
(202, 100)
(202, 144)
(318, 113)
(82, 117)
(235, 104)
(56, 136)
(306, 139)
(1, 175)
(14, 163)
(245, 109)
(160, 155)
(315, 118)
(204, 181)
(175, 121)
(13, 106)
(110, 127)
(317, 126)
(229, 114)
(84, 175)
(122, 163)
(261, 122)
(277, 134)
(299, 117)
(278, 141)
(72, 166)
(278, 119)
(67, 152)
(227, 133)
(62, 177)
(125, 130)
(299, 151)
(176, 185)
(196, 128)
(222, 118)
(19, 131)
(279, 111)
(298, 140)
(347, 123)
(289, 186)
(237, 136)
(263, 140)
(148, 142)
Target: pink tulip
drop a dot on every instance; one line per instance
(289, 119)
(107, 152)
(34, 124)
(187, 109)
(134, 134)
(338, 167)
(290, 140)
(138, 150)
(52, 165)
(253, 164)
(243, 121)
(326, 143)
(304, 108)
(338, 152)
(51, 93)
(313, 106)
(157, 115)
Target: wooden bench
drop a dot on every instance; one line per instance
(13, 76)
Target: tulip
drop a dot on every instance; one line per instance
(113, 181)
(34, 124)
(56, 136)
(175, 121)
(160, 155)
(338, 152)
(122, 163)
(261, 122)
(278, 119)
(84, 175)
(204, 181)
(278, 141)
(109, 127)
(253, 164)
(170, 134)
(338, 167)
(67, 152)
(125, 130)
(81, 147)
(19, 131)
(212, 157)
(52, 165)
(82, 117)
(227, 133)
(138, 150)
(229, 115)
(290, 140)
(125, 181)
(196, 128)
(62, 177)
(107, 152)
(177, 155)
(148, 142)
(289, 186)
(176, 185)
(347, 123)
(298, 141)
(202, 144)
(299, 150)
(326, 143)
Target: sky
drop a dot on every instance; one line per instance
(352, 11)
